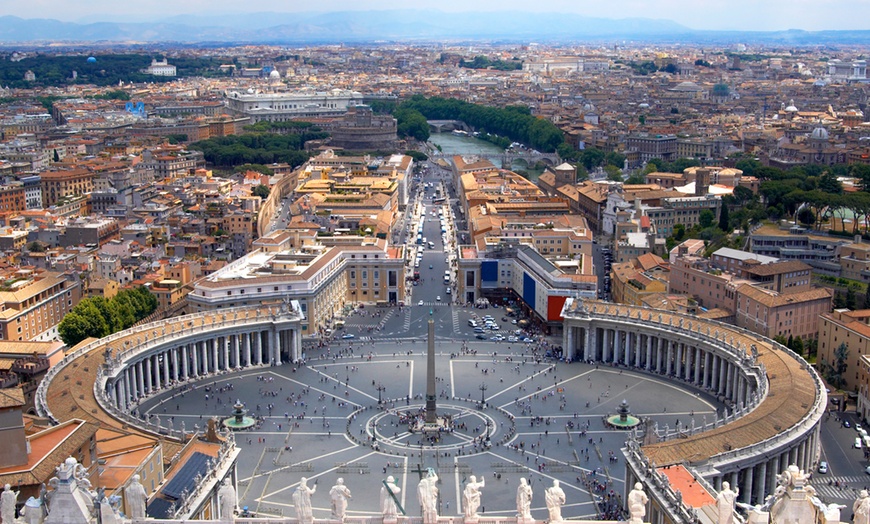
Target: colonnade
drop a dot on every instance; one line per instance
(690, 360)
(709, 363)
(189, 359)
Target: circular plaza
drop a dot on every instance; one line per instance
(344, 410)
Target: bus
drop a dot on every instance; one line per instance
(438, 200)
(419, 239)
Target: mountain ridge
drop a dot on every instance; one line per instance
(393, 25)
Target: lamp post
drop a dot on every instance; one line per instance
(380, 389)
(483, 389)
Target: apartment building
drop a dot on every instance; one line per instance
(770, 313)
(680, 210)
(171, 161)
(649, 146)
(639, 278)
(852, 328)
(321, 277)
(58, 185)
(34, 302)
(790, 242)
(855, 260)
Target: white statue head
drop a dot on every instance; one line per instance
(339, 481)
(555, 483)
(7, 487)
(726, 486)
(523, 481)
(638, 486)
(863, 493)
(390, 480)
(473, 478)
(136, 478)
(227, 481)
(302, 481)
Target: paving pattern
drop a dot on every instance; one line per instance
(324, 421)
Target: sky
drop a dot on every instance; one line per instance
(760, 15)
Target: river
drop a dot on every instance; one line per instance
(461, 145)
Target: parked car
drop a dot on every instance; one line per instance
(823, 467)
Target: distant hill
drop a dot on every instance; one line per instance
(341, 26)
(396, 25)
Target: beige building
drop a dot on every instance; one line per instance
(33, 304)
(788, 314)
(852, 328)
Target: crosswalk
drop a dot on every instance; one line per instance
(456, 321)
(407, 324)
(433, 304)
(832, 488)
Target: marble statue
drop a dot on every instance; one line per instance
(472, 497)
(7, 504)
(339, 494)
(427, 495)
(388, 503)
(861, 508)
(135, 499)
(302, 501)
(227, 497)
(524, 500)
(108, 515)
(725, 503)
(637, 501)
(555, 497)
(32, 511)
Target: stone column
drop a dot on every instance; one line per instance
(166, 357)
(258, 347)
(214, 355)
(698, 366)
(127, 389)
(195, 362)
(226, 351)
(148, 383)
(605, 350)
(648, 362)
(773, 471)
(746, 492)
(237, 343)
(628, 347)
(175, 370)
(729, 380)
(156, 364)
(246, 344)
(277, 349)
(760, 489)
(669, 357)
(140, 379)
(708, 365)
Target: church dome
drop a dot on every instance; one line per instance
(274, 74)
(819, 133)
(791, 107)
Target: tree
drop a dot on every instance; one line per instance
(706, 218)
(36, 247)
(261, 191)
(828, 183)
(724, 223)
(635, 178)
(851, 299)
(867, 298)
(679, 232)
(835, 370)
(798, 346)
(613, 173)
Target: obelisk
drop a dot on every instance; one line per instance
(431, 417)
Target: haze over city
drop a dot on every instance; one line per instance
(739, 15)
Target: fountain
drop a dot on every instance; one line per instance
(623, 418)
(239, 421)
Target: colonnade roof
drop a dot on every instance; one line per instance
(790, 398)
(71, 393)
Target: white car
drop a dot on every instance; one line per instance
(438, 298)
(420, 303)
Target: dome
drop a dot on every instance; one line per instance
(274, 74)
(588, 107)
(686, 86)
(819, 133)
(791, 107)
(643, 105)
(91, 60)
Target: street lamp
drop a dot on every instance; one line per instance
(483, 389)
(380, 389)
